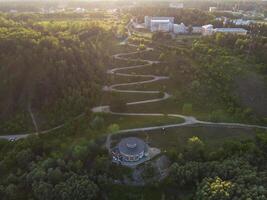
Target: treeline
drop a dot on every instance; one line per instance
(187, 16)
(237, 170)
(253, 47)
(220, 59)
(55, 167)
(51, 167)
(205, 74)
(57, 68)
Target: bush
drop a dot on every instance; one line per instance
(113, 128)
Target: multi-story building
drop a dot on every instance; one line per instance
(159, 23)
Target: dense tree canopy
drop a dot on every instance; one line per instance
(55, 68)
(187, 16)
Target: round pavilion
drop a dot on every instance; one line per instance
(132, 149)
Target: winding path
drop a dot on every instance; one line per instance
(188, 120)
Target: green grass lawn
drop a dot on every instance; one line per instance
(127, 97)
(176, 138)
(128, 122)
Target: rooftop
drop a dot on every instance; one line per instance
(208, 26)
(160, 20)
(230, 30)
(132, 146)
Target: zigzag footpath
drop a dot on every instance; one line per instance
(188, 120)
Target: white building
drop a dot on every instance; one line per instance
(138, 26)
(239, 31)
(180, 28)
(212, 9)
(161, 26)
(207, 29)
(158, 21)
(242, 22)
(79, 10)
(177, 5)
(197, 29)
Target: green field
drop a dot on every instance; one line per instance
(128, 122)
(214, 137)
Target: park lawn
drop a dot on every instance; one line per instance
(176, 138)
(200, 110)
(117, 79)
(129, 122)
(161, 69)
(116, 47)
(165, 85)
(126, 97)
(144, 34)
(147, 55)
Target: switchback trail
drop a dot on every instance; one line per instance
(188, 120)
(122, 71)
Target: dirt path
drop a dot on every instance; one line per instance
(33, 118)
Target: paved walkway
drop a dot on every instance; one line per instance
(122, 71)
(188, 120)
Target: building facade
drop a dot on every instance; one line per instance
(159, 23)
(238, 31)
(180, 29)
(207, 29)
(161, 26)
(197, 29)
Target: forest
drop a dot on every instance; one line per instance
(52, 167)
(55, 69)
(194, 17)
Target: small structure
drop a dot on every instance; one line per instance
(80, 10)
(207, 29)
(238, 31)
(180, 28)
(130, 149)
(212, 9)
(177, 5)
(197, 29)
(138, 26)
(243, 22)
